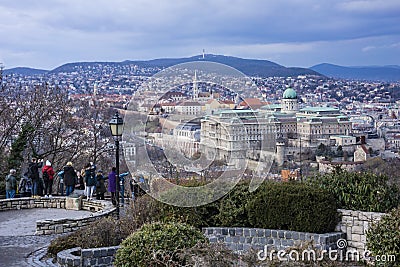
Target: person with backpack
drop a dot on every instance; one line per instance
(90, 180)
(25, 185)
(48, 176)
(11, 184)
(60, 174)
(33, 173)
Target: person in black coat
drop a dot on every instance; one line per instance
(69, 178)
(90, 180)
(33, 174)
(100, 186)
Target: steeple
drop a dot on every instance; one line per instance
(195, 96)
(95, 90)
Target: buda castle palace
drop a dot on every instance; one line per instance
(282, 129)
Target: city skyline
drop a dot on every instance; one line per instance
(291, 33)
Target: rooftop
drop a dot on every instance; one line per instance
(319, 109)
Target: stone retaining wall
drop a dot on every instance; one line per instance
(32, 203)
(355, 225)
(243, 239)
(87, 257)
(66, 225)
(100, 208)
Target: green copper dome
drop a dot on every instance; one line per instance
(290, 94)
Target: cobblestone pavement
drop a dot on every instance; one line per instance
(24, 250)
(18, 244)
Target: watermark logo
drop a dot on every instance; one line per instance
(163, 142)
(342, 253)
(341, 243)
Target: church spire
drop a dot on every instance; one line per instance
(195, 88)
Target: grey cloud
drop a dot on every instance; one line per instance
(74, 28)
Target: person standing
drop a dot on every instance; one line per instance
(48, 176)
(69, 178)
(33, 173)
(122, 186)
(112, 186)
(60, 175)
(134, 188)
(100, 186)
(90, 180)
(11, 184)
(81, 184)
(25, 185)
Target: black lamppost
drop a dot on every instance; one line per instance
(116, 127)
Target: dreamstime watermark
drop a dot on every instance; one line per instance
(160, 155)
(343, 253)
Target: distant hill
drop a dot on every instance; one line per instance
(371, 73)
(251, 67)
(25, 71)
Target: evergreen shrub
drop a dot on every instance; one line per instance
(157, 243)
(383, 238)
(293, 206)
(232, 207)
(363, 191)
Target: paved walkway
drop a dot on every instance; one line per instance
(18, 244)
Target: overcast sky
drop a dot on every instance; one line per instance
(48, 33)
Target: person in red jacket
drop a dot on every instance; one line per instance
(48, 176)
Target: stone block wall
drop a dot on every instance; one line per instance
(243, 239)
(31, 203)
(66, 225)
(69, 257)
(87, 257)
(355, 224)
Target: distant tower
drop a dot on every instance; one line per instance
(195, 96)
(280, 151)
(204, 51)
(289, 101)
(95, 90)
(238, 99)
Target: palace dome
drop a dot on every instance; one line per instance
(289, 94)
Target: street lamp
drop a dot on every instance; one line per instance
(116, 127)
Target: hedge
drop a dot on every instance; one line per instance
(293, 206)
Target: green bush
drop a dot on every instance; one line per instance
(359, 191)
(293, 206)
(232, 207)
(200, 216)
(156, 243)
(383, 238)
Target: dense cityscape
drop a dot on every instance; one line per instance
(372, 108)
